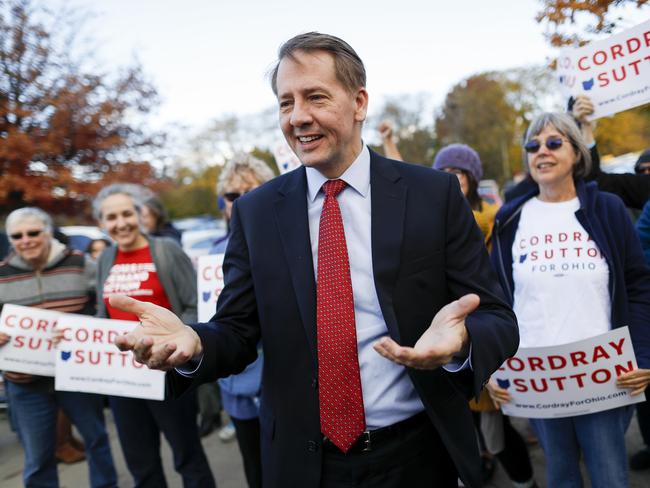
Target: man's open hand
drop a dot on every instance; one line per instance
(161, 341)
(445, 338)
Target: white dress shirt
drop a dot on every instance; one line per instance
(388, 393)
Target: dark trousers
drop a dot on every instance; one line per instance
(248, 437)
(643, 416)
(413, 459)
(139, 424)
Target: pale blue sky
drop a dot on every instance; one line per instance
(210, 57)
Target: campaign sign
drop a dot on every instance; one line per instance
(571, 379)
(614, 73)
(88, 361)
(30, 349)
(209, 286)
(285, 158)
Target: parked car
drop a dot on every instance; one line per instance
(198, 242)
(79, 236)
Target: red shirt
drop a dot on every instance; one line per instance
(134, 274)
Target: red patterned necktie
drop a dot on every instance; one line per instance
(342, 418)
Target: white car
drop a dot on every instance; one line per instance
(199, 242)
(79, 236)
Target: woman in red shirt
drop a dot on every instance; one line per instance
(154, 270)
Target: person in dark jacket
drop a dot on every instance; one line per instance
(568, 291)
(641, 459)
(155, 219)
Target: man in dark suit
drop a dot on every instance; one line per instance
(334, 265)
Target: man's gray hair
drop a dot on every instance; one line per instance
(243, 163)
(29, 213)
(347, 63)
(566, 126)
(137, 193)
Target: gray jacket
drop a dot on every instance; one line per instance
(175, 272)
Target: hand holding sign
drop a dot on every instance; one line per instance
(162, 341)
(445, 338)
(637, 379)
(4, 338)
(498, 395)
(582, 109)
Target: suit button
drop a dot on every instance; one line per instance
(314, 383)
(312, 446)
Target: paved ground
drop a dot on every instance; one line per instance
(226, 463)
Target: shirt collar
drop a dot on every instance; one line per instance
(356, 176)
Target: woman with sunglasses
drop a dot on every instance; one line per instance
(571, 264)
(42, 272)
(240, 393)
(154, 270)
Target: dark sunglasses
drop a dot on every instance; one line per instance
(231, 196)
(30, 233)
(643, 170)
(552, 144)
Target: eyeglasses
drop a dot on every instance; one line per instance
(231, 196)
(643, 170)
(30, 233)
(552, 144)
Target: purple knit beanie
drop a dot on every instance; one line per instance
(459, 156)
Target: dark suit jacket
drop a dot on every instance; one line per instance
(426, 252)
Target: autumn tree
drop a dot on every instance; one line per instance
(477, 112)
(624, 132)
(574, 21)
(413, 126)
(63, 128)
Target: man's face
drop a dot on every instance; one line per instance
(240, 183)
(319, 117)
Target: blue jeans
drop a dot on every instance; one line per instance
(139, 424)
(600, 437)
(34, 414)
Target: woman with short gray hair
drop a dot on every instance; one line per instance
(41, 272)
(572, 267)
(155, 270)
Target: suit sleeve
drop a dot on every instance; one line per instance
(230, 338)
(492, 328)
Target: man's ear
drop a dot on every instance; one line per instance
(361, 102)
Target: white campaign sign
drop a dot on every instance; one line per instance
(285, 158)
(614, 72)
(88, 361)
(209, 285)
(571, 379)
(30, 349)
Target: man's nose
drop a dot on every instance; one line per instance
(300, 115)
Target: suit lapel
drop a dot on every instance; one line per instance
(388, 205)
(293, 225)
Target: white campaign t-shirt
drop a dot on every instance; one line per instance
(561, 278)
